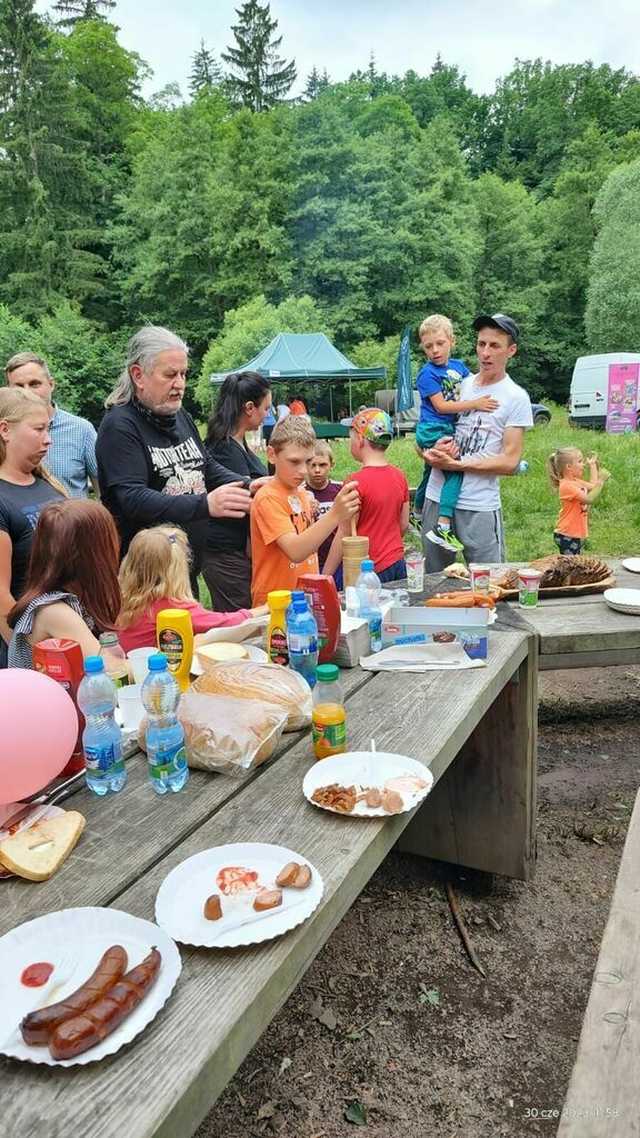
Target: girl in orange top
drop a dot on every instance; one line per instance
(566, 470)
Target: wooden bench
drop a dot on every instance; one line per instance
(476, 729)
(603, 1100)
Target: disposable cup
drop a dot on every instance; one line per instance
(130, 705)
(480, 578)
(138, 658)
(415, 572)
(528, 587)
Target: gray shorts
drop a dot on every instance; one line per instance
(482, 535)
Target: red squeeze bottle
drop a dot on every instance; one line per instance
(62, 661)
(323, 597)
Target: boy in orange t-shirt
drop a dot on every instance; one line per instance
(284, 537)
(566, 470)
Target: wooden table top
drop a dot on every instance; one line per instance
(165, 1081)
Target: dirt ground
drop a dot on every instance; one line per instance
(413, 1042)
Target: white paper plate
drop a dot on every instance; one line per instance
(360, 769)
(181, 897)
(82, 935)
(624, 600)
(258, 655)
(632, 564)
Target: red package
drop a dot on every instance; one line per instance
(323, 597)
(62, 661)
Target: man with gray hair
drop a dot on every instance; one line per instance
(152, 465)
(71, 457)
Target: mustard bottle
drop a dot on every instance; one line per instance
(277, 650)
(174, 634)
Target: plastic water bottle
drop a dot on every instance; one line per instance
(296, 595)
(101, 738)
(368, 588)
(302, 640)
(166, 755)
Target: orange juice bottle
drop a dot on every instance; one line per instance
(328, 718)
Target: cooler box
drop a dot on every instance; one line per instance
(418, 625)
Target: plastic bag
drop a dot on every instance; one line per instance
(271, 683)
(226, 734)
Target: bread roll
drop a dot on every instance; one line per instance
(210, 655)
(266, 683)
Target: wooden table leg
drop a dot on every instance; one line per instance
(482, 811)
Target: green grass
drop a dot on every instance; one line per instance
(530, 504)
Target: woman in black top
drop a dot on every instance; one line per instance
(243, 402)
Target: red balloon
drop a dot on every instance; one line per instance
(38, 731)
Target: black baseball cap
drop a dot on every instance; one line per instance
(498, 320)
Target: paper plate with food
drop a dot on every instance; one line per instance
(207, 656)
(237, 894)
(80, 983)
(367, 784)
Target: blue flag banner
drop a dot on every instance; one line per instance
(404, 389)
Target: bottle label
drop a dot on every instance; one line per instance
(278, 651)
(105, 760)
(167, 761)
(171, 643)
(329, 738)
(302, 644)
(375, 632)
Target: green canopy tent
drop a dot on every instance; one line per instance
(305, 356)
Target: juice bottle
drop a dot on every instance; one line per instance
(277, 650)
(174, 632)
(328, 718)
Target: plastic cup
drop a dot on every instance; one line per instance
(528, 587)
(480, 578)
(415, 572)
(130, 704)
(138, 658)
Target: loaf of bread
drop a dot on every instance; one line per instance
(270, 683)
(226, 734)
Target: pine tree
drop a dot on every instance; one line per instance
(260, 77)
(205, 71)
(312, 85)
(73, 11)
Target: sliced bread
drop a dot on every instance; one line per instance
(38, 852)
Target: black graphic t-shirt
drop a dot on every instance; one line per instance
(149, 476)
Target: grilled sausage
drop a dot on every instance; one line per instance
(213, 908)
(76, 1035)
(267, 899)
(288, 875)
(37, 1027)
(303, 878)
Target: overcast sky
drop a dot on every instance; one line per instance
(483, 37)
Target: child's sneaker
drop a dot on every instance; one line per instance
(446, 538)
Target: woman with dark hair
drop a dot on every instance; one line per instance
(72, 588)
(243, 402)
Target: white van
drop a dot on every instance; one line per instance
(590, 386)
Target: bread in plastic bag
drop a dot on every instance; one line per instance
(226, 734)
(246, 679)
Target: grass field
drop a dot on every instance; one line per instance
(529, 503)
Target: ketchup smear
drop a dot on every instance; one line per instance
(36, 975)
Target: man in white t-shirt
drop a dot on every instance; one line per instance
(487, 445)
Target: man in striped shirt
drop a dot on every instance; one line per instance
(72, 454)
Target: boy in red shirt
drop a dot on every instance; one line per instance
(384, 498)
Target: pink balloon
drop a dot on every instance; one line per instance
(38, 731)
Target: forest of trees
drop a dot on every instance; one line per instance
(234, 210)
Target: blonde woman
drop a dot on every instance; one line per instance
(25, 487)
(566, 473)
(154, 576)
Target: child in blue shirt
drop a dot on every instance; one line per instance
(438, 383)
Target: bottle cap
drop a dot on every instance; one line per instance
(367, 566)
(93, 665)
(279, 599)
(157, 662)
(327, 673)
(297, 595)
(300, 605)
(108, 638)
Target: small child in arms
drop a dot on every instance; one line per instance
(438, 383)
(566, 472)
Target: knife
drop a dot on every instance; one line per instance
(58, 794)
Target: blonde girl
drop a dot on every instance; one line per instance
(566, 473)
(154, 576)
(25, 487)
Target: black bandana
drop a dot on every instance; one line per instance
(164, 423)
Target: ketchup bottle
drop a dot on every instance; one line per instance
(322, 595)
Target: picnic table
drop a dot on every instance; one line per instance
(477, 732)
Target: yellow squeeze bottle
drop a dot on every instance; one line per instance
(174, 634)
(278, 601)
